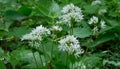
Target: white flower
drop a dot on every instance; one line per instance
(95, 30)
(36, 34)
(56, 28)
(102, 11)
(102, 24)
(34, 44)
(96, 2)
(40, 30)
(70, 12)
(92, 20)
(31, 36)
(70, 44)
(96, 24)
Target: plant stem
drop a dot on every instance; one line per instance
(57, 53)
(35, 60)
(52, 51)
(67, 61)
(41, 59)
(71, 28)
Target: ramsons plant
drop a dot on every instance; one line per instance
(59, 34)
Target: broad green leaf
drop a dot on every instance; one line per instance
(107, 28)
(89, 9)
(2, 34)
(82, 32)
(54, 9)
(102, 39)
(1, 52)
(25, 10)
(14, 15)
(2, 65)
(92, 61)
(42, 6)
(33, 59)
(19, 31)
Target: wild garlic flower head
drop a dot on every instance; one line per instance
(77, 65)
(102, 24)
(70, 12)
(40, 30)
(36, 33)
(95, 29)
(56, 28)
(96, 24)
(71, 45)
(31, 36)
(93, 20)
(102, 11)
(96, 2)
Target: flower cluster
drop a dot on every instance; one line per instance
(94, 21)
(102, 11)
(56, 28)
(70, 12)
(96, 2)
(37, 33)
(70, 45)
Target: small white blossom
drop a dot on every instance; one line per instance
(93, 20)
(56, 28)
(70, 12)
(71, 45)
(102, 24)
(96, 2)
(36, 34)
(95, 30)
(31, 37)
(96, 25)
(34, 44)
(102, 11)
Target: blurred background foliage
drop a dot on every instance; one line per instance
(18, 17)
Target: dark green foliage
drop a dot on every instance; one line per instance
(18, 17)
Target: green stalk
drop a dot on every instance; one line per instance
(35, 60)
(57, 53)
(71, 28)
(67, 61)
(41, 61)
(52, 51)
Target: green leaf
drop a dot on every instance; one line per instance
(2, 34)
(102, 39)
(89, 9)
(25, 10)
(26, 56)
(14, 15)
(92, 61)
(1, 52)
(82, 32)
(54, 9)
(42, 6)
(2, 65)
(19, 31)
